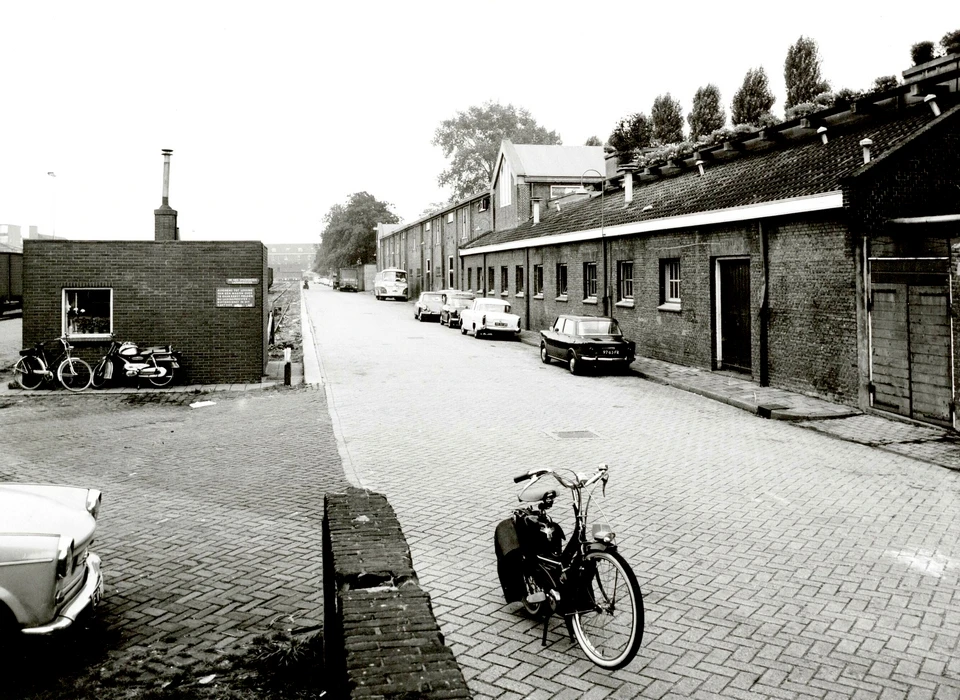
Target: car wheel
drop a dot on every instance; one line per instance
(422, 319)
(463, 331)
(544, 355)
(573, 362)
(476, 333)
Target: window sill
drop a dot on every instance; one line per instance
(562, 297)
(590, 300)
(504, 294)
(673, 306)
(519, 295)
(538, 296)
(625, 304)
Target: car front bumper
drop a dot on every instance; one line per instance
(89, 596)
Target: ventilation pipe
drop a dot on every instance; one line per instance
(627, 187)
(823, 134)
(932, 101)
(700, 166)
(865, 144)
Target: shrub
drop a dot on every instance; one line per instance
(921, 52)
(884, 83)
(800, 110)
(950, 43)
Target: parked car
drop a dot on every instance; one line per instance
(390, 283)
(454, 301)
(487, 316)
(348, 279)
(48, 575)
(428, 305)
(583, 341)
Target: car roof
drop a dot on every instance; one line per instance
(586, 318)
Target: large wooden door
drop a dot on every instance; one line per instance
(910, 346)
(733, 316)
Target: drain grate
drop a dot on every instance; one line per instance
(575, 435)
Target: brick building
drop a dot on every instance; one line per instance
(817, 255)
(207, 299)
(291, 260)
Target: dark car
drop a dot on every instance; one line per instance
(454, 302)
(583, 341)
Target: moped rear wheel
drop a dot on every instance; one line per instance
(608, 624)
(164, 380)
(74, 374)
(99, 378)
(29, 372)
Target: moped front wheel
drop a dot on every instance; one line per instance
(608, 623)
(99, 378)
(164, 380)
(29, 371)
(74, 374)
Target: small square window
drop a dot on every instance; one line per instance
(589, 280)
(87, 313)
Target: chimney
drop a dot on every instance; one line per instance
(536, 211)
(932, 101)
(866, 143)
(627, 187)
(165, 218)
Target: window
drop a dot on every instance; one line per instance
(561, 280)
(563, 190)
(479, 280)
(427, 227)
(518, 280)
(670, 284)
(504, 283)
(625, 281)
(484, 204)
(491, 285)
(469, 278)
(463, 224)
(450, 272)
(538, 281)
(87, 312)
(428, 267)
(505, 184)
(450, 218)
(590, 280)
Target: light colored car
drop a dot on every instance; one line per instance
(390, 283)
(48, 575)
(487, 316)
(454, 301)
(428, 306)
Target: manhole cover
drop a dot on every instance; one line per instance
(575, 435)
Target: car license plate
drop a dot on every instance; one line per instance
(501, 324)
(609, 351)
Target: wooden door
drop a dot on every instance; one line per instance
(733, 335)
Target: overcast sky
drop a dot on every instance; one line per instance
(278, 110)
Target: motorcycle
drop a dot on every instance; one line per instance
(156, 363)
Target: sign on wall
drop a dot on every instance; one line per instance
(236, 297)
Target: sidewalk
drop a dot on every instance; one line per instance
(766, 402)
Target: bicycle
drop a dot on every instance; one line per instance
(34, 367)
(588, 581)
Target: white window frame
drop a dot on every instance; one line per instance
(624, 299)
(588, 281)
(562, 289)
(65, 322)
(670, 274)
(450, 284)
(557, 191)
(538, 281)
(450, 217)
(463, 224)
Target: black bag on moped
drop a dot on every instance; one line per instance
(509, 561)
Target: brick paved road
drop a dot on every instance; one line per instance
(211, 524)
(776, 561)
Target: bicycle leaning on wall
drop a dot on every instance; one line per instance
(587, 581)
(35, 367)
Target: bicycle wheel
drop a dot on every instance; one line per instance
(609, 626)
(74, 374)
(99, 377)
(165, 379)
(29, 372)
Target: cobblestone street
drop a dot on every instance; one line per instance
(776, 561)
(211, 524)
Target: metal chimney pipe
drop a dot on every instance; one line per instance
(166, 174)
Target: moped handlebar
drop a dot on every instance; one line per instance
(580, 481)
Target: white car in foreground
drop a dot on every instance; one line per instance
(489, 317)
(48, 575)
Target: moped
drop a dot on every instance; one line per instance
(156, 363)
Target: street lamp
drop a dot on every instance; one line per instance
(603, 240)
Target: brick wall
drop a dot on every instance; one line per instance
(163, 292)
(381, 638)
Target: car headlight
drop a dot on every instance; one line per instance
(65, 558)
(94, 497)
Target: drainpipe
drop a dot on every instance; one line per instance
(526, 285)
(764, 307)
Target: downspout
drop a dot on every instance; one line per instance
(764, 307)
(483, 275)
(526, 286)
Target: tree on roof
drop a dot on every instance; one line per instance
(801, 71)
(666, 120)
(471, 139)
(630, 133)
(349, 236)
(753, 101)
(707, 114)
(593, 141)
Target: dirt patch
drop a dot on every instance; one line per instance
(285, 305)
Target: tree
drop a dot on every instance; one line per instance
(473, 139)
(753, 100)
(801, 71)
(349, 236)
(921, 52)
(950, 43)
(707, 114)
(630, 133)
(666, 120)
(593, 141)
(884, 83)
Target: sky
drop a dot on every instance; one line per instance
(278, 111)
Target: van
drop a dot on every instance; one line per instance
(390, 284)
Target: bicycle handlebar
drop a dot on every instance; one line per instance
(580, 482)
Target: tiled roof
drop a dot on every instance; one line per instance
(796, 168)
